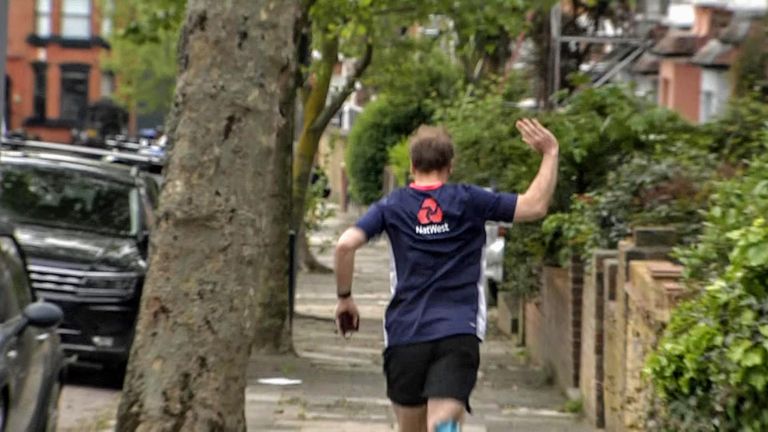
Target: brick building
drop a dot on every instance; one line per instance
(54, 64)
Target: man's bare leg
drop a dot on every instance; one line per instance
(443, 410)
(411, 419)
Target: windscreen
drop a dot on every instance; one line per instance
(65, 198)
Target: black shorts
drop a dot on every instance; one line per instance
(443, 368)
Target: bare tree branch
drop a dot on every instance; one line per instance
(322, 120)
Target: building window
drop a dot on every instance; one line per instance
(41, 87)
(74, 91)
(107, 84)
(43, 18)
(76, 19)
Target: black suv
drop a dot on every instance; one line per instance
(83, 225)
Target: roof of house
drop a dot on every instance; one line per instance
(715, 54)
(647, 64)
(721, 51)
(738, 29)
(734, 5)
(677, 43)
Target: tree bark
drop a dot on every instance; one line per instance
(221, 238)
(273, 333)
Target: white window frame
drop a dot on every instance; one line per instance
(43, 21)
(81, 30)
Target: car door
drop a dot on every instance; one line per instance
(26, 356)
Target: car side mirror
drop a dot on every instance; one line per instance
(43, 315)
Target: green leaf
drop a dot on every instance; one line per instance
(764, 330)
(757, 255)
(753, 357)
(738, 349)
(757, 379)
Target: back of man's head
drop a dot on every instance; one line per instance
(431, 149)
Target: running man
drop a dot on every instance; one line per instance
(437, 316)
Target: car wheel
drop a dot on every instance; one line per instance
(52, 411)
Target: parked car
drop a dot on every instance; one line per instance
(31, 359)
(83, 225)
(101, 119)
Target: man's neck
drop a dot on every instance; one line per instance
(430, 178)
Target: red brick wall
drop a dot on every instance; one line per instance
(549, 324)
(21, 55)
(576, 279)
(21, 18)
(684, 86)
(592, 341)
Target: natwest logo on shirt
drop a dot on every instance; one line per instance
(430, 216)
(430, 212)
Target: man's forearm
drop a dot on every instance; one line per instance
(543, 185)
(534, 203)
(344, 258)
(345, 265)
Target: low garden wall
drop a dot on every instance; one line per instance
(553, 323)
(595, 329)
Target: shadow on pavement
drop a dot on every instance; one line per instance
(88, 376)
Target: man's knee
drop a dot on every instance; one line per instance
(411, 419)
(444, 415)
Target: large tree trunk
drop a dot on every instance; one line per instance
(273, 334)
(221, 237)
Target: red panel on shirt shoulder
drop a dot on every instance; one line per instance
(428, 187)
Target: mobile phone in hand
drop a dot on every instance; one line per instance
(347, 323)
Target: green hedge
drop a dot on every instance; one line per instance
(710, 372)
(383, 123)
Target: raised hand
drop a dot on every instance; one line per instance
(537, 136)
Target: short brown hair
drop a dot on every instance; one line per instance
(431, 149)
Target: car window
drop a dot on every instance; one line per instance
(65, 199)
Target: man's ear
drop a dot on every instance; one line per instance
(413, 170)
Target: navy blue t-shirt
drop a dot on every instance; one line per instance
(437, 235)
